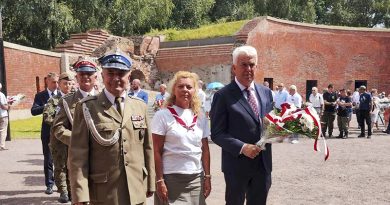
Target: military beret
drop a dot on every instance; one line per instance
(65, 76)
(116, 60)
(84, 66)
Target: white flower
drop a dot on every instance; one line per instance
(307, 122)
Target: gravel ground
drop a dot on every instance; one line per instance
(357, 172)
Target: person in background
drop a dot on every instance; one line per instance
(201, 95)
(4, 107)
(343, 103)
(237, 114)
(329, 114)
(136, 91)
(365, 107)
(355, 104)
(181, 152)
(280, 96)
(59, 151)
(375, 109)
(294, 98)
(349, 109)
(266, 84)
(40, 100)
(316, 100)
(161, 97)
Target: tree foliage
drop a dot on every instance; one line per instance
(46, 23)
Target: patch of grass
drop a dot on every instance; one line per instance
(206, 31)
(27, 128)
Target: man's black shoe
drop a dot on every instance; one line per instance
(360, 136)
(330, 136)
(63, 198)
(49, 190)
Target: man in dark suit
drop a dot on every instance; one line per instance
(40, 101)
(237, 115)
(136, 91)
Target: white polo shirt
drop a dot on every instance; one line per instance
(182, 148)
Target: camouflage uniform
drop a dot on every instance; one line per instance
(59, 150)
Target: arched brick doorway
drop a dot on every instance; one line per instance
(137, 74)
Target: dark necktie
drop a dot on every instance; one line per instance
(252, 102)
(118, 101)
(52, 94)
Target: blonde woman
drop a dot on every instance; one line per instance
(180, 135)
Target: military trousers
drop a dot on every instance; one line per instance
(59, 152)
(328, 120)
(342, 123)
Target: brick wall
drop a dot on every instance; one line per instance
(210, 62)
(23, 65)
(293, 53)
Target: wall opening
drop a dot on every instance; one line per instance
(309, 85)
(271, 82)
(359, 83)
(37, 84)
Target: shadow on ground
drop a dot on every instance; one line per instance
(29, 201)
(27, 172)
(33, 161)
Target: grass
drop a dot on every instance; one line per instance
(27, 128)
(206, 31)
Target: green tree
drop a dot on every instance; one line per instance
(190, 13)
(302, 11)
(37, 23)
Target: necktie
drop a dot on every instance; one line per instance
(52, 94)
(252, 102)
(118, 101)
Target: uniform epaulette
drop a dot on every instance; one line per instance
(88, 98)
(136, 98)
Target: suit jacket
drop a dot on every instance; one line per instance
(142, 94)
(62, 128)
(234, 123)
(40, 101)
(99, 173)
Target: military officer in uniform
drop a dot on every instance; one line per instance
(111, 152)
(86, 76)
(58, 149)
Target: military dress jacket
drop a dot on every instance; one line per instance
(62, 127)
(101, 174)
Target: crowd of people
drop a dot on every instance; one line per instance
(340, 105)
(105, 150)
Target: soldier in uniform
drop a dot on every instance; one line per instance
(86, 77)
(111, 153)
(58, 149)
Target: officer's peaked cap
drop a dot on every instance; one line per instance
(84, 66)
(116, 60)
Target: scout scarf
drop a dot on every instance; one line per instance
(180, 121)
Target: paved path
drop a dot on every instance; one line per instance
(295, 166)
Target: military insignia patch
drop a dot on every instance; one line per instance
(136, 118)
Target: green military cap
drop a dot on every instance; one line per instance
(65, 76)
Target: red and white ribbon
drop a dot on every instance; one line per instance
(290, 112)
(180, 121)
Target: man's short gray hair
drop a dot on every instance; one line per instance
(293, 87)
(163, 85)
(247, 50)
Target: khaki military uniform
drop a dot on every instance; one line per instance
(57, 148)
(62, 127)
(117, 174)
